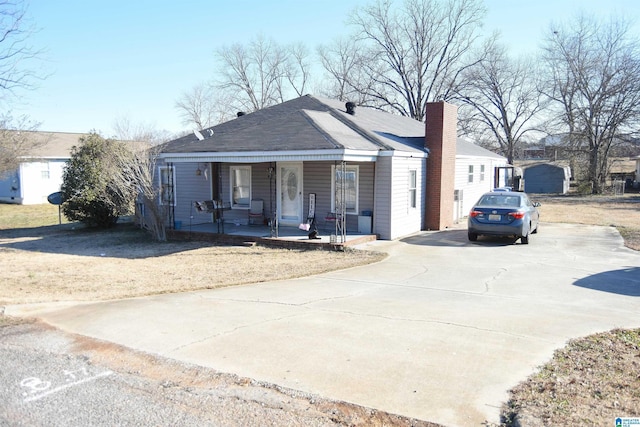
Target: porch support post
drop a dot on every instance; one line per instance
(273, 212)
(341, 196)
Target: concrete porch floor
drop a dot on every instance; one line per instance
(286, 236)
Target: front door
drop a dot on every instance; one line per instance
(290, 193)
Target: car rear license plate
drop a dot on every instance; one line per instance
(495, 217)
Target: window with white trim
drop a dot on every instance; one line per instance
(481, 173)
(470, 179)
(413, 188)
(240, 186)
(45, 172)
(167, 185)
(350, 188)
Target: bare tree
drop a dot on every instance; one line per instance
(15, 52)
(503, 97)
(417, 52)
(261, 73)
(198, 107)
(343, 63)
(135, 171)
(592, 81)
(127, 130)
(297, 68)
(17, 139)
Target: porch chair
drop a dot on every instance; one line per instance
(256, 212)
(330, 220)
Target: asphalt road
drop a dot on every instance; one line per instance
(50, 378)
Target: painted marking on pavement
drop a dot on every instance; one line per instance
(42, 388)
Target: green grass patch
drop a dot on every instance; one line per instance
(28, 216)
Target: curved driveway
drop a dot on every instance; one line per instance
(438, 331)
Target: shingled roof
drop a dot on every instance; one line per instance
(52, 145)
(307, 124)
(467, 148)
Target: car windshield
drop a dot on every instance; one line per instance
(503, 200)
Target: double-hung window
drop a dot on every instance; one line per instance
(470, 179)
(481, 173)
(45, 171)
(344, 186)
(413, 188)
(240, 186)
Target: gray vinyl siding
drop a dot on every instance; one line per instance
(190, 187)
(367, 182)
(259, 190)
(317, 179)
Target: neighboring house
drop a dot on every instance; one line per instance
(374, 164)
(623, 170)
(40, 172)
(636, 179)
(547, 178)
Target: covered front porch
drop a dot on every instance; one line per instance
(270, 200)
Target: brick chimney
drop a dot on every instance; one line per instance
(440, 139)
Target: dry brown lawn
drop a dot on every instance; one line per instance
(622, 212)
(68, 263)
(590, 382)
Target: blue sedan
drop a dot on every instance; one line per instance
(504, 213)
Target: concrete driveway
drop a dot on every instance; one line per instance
(438, 331)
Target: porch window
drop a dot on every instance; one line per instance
(240, 186)
(167, 185)
(481, 173)
(350, 189)
(470, 179)
(413, 188)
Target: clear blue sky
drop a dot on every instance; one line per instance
(110, 59)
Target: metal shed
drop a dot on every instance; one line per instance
(547, 178)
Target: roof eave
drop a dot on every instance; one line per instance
(274, 156)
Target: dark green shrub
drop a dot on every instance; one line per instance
(92, 196)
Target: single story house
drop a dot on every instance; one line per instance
(40, 172)
(338, 161)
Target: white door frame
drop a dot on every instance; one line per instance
(295, 217)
